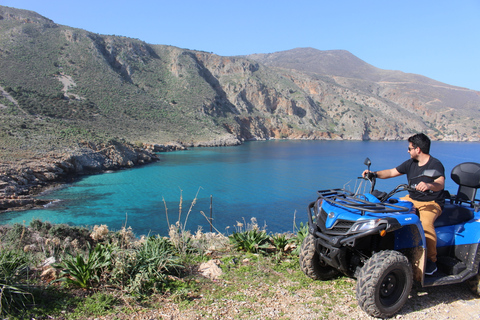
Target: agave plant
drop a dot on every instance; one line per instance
(84, 273)
(157, 255)
(302, 232)
(280, 241)
(250, 241)
(154, 261)
(13, 268)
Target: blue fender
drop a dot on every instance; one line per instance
(411, 235)
(460, 234)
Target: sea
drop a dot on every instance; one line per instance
(227, 189)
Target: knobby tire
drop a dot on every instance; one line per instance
(384, 283)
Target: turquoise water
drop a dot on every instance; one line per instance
(272, 181)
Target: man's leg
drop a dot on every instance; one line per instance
(429, 212)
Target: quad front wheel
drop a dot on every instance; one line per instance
(310, 261)
(384, 283)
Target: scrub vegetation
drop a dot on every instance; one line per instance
(66, 272)
(51, 271)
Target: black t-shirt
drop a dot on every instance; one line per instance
(413, 171)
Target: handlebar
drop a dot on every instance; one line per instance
(372, 177)
(400, 188)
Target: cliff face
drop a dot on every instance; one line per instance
(286, 103)
(268, 97)
(386, 104)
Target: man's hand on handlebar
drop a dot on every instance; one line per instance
(422, 186)
(369, 174)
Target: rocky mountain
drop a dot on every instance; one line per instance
(386, 104)
(61, 85)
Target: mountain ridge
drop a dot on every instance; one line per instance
(66, 84)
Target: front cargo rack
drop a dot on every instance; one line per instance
(347, 199)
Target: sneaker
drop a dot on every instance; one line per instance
(431, 268)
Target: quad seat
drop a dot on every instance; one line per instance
(467, 176)
(453, 214)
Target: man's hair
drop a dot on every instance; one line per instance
(421, 141)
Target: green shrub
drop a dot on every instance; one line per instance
(302, 233)
(98, 304)
(280, 241)
(63, 231)
(13, 271)
(86, 273)
(153, 262)
(250, 241)
(16, 235)
(40, 226)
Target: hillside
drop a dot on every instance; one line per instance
(60, 86)
(446, 112)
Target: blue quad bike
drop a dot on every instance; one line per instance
(378, 239)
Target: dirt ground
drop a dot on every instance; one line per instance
(447, 302)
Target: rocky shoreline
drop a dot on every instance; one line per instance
(21, 181)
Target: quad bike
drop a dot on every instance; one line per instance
(378, 239)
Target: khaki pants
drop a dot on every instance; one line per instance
(429, 211)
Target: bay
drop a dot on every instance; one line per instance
(271, 181)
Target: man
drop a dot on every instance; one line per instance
(430, 200)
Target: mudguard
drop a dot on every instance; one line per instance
(460, 234)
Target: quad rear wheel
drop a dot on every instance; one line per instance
(310, 261)
(384, 283)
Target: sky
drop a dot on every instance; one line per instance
(435, 38)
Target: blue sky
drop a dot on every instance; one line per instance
(438, 39)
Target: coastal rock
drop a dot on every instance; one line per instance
(24, 202)
(87, 160)
(222, 141)
(175, 146)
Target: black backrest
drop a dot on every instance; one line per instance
(467, 176)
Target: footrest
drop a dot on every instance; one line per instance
(450, 265)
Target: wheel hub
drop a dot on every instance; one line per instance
(388, 285)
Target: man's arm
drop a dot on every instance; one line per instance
(437, 185)
(385, 174)
(389, 173)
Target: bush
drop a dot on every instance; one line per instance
(280, 241)
(16, 235)
(63, 231)
(13, 269)
(98, 304)
(250, 241)
(41, 227)
(302, 233)
(86, 273)
(153, 262)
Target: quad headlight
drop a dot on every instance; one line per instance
(365, 225)
(388, 224)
